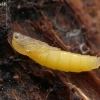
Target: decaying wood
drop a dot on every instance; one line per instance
(71, 25)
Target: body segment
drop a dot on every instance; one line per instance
(53, 57)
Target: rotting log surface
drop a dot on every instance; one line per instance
(72, 25)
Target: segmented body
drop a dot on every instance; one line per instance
(53, 57)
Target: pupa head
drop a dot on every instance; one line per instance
(20, 38)
(18, 42)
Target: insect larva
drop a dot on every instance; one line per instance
(53, 57)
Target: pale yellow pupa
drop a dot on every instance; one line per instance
(53, 57)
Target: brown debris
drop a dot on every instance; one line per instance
(88, 21)
(72, 25)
